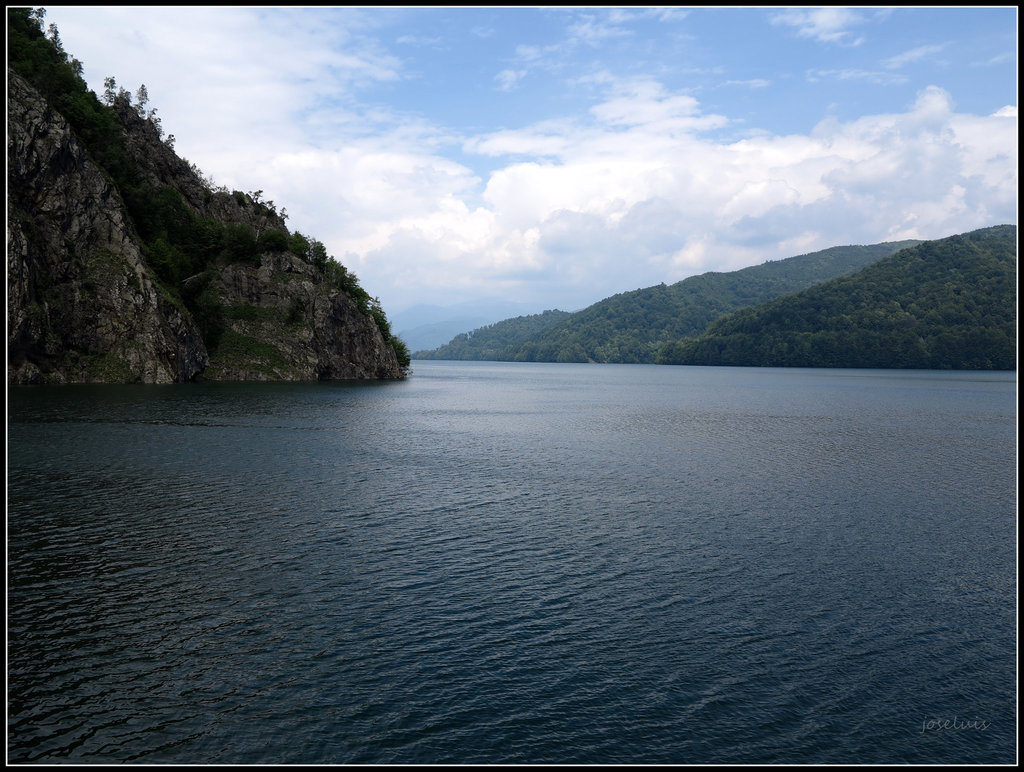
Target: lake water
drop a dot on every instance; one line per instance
(521, 563)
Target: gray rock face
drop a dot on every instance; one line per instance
(83, 305)
(283, 322)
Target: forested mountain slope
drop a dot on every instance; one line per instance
(632, 326)
(949, 303)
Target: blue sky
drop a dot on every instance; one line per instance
(554, 157)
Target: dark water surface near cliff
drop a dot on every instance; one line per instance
(516, 563)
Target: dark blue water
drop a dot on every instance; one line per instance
(516, 563)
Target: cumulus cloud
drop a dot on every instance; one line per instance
(620, 204)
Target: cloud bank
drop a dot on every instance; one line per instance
(643, 192)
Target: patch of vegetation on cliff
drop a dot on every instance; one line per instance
(206, 309)
(108, 368)
(237, 349)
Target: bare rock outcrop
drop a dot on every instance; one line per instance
(283, 322)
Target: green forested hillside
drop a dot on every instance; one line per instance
(949, 303)
(632, 326)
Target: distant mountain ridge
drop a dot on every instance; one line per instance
(631, 327)
(426, 326)
(491, 341)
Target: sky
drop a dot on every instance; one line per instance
(553, 157)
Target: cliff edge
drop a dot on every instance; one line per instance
(145, 274)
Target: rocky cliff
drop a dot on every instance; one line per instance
(283, 323)
(81, 304)
(90, 301)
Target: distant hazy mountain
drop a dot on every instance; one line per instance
(632, 326)
(488, 343)
(429, 326)
(949, 303)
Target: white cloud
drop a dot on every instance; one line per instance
(545, 139)
(625, 15)
(417, 40)
(258, 83)
(1001, 58)
(509, 79)
(826, 25)
(593, 32)
(752, 83)
(878, 78)
(585, 31)
(913, 55)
